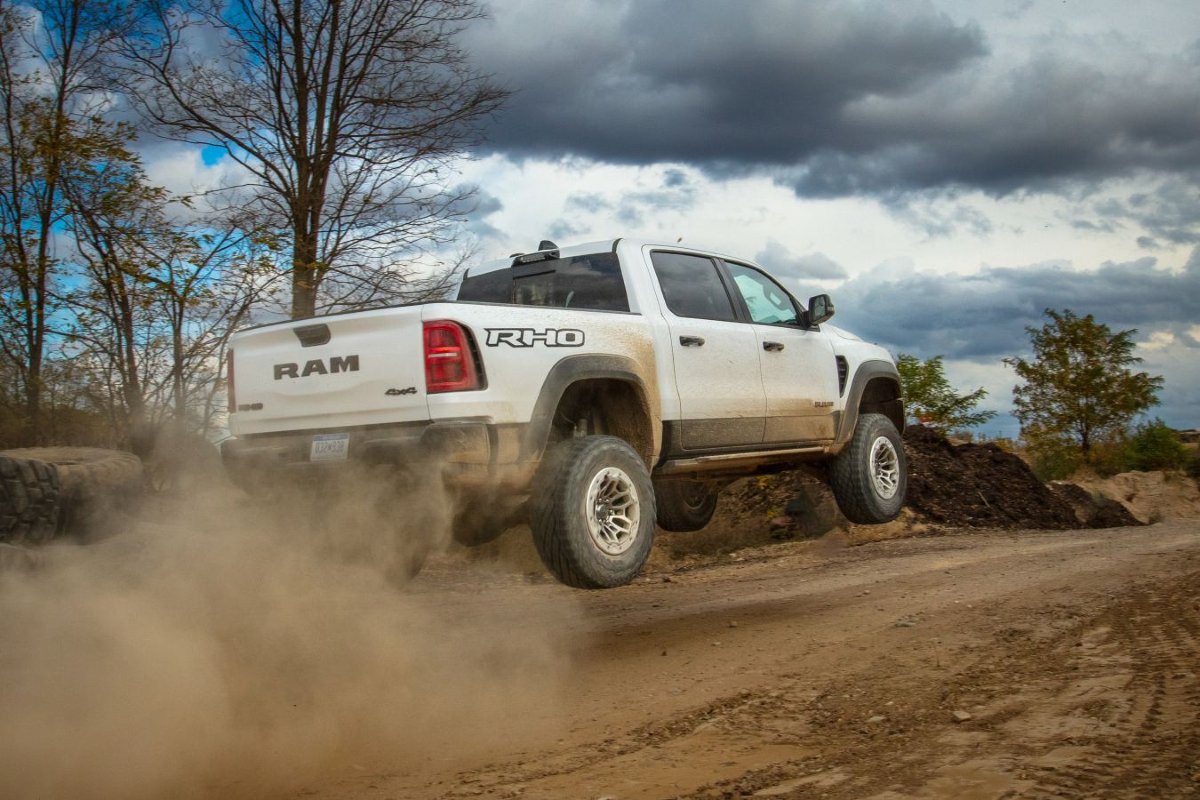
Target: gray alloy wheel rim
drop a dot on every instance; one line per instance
(613, 511)
(885, 468)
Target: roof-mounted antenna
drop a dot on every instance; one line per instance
(546, 244)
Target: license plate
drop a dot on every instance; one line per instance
(329, 447)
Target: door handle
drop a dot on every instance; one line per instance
(691, 341)
(773, 347)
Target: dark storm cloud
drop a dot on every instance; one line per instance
(983, 316)
(836, 98)
(1170, 212)
(708, 80)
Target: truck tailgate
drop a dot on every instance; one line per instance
(365, 368)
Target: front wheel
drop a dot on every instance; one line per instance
(870, 477)
(593, 512)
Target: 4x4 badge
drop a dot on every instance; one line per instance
(399, 392)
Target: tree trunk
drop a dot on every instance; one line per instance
(305, 275)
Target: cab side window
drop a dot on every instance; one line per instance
(692, 286)
(768, 302)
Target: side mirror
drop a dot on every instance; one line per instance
(820, 308)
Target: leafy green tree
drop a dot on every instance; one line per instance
(929, 398)
(1080, 385)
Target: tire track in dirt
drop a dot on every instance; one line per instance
(1108, 708)
(1063, 704)
(976, 668)
(1154, 749)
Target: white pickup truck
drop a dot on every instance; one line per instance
(606, 386)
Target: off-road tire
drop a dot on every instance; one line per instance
(571, 513)
(29, 500)
(95, 487)
(685, 505)
(869, 477)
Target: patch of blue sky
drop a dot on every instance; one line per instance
(211, 155)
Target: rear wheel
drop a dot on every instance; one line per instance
(593, 512)
(685, 505)
(481, 518)
(870, 477)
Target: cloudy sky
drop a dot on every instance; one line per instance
(946, 170)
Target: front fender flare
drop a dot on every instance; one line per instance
(867, 371)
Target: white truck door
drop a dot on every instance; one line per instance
(717, 368)
(799, 372)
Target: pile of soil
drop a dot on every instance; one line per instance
(951, 485)
(978, 486)
(1094, 510)
(1149, 496)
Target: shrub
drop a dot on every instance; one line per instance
(1192, 468)
(1152, 446)
(1054, 461)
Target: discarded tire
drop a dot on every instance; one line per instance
(29, 500)
(57, 491)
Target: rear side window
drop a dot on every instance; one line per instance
(692, 286)
(588, 282)
(489, 287)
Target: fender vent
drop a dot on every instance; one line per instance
(843, 372)
(312, 335)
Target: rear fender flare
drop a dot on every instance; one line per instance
(574, 369)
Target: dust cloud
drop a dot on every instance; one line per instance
(226, 647)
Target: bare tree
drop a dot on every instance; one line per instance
(110, 210)
(52, 54)
(348, 115)
(156, 299)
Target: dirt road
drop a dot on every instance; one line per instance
(980, 665)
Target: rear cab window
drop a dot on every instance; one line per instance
(590, 282)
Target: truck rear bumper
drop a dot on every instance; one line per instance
(416, 446)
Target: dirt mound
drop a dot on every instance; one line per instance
(1150, 496)
(978, 486)
(1094, 510)
(953, 485)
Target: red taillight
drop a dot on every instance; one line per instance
(229, 382)
(449, 363)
